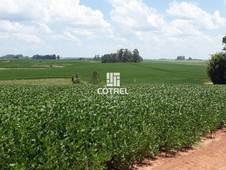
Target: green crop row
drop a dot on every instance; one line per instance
(73, 127)
(160, 72)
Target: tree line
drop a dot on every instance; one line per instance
(37, 56)
(122, 56)
(49, 57)
(12, 56)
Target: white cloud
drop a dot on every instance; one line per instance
(180, 32)
(22, 37)
(23, 10)
(220, 21)
(8, 26)
(45, 28)
(80, 32)
(71, 37)
(135, 24)
(17, 31)
(71, 13)
(66, 26)
(180, 27)
(135, 15)
(196, 16)
(51, 18)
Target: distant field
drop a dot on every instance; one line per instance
(149, 71)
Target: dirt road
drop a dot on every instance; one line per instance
(210, 154)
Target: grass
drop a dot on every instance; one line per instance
(149, 71)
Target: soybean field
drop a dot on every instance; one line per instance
(149, 71)
(46, 122)
(73, 127)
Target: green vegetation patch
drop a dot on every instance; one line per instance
(149, 71)
(72, 127)
(52, 81)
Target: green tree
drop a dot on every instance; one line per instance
(216, 68)
(224, 42)
(136, 56)
(120, 54)
(127, 56)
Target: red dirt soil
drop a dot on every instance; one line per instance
(210, 154)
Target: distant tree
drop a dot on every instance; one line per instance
(104, 58)
(58, 57)
(224, 42)
(136, 56)
(19, 56)
(97, 58)
(126, 55)
(12, 56)
(43, 57)
(181, 58)
(114, 58)
(122, 55)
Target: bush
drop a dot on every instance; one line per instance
(75, 79)
(217, 68)
(95, 78)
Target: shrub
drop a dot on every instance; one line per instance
(75, 79)
(217, 68)
(95, 78)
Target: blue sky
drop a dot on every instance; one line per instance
(84, 28)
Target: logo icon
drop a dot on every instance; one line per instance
(113, 79)
(113, 85)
